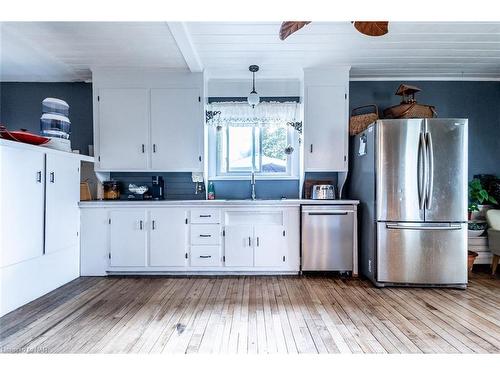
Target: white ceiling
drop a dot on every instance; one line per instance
(66, 51)
(44, 51)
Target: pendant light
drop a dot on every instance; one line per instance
(253, 98)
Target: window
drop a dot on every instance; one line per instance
(256, 140)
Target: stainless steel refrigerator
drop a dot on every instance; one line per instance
(411, 179)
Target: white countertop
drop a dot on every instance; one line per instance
(216, 202)
(26, 146)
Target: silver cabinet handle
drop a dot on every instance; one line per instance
(154, 147)
(328, 213)
(39, 176)
(205, 215)
(416, 227)
(52, 177)
(153, 224)
(430, 174)
(421, 174)
(143, 148)
(249, 241)
(311, 148)
(140, 224)
(205, 256)
(258, 242)
(205, 235)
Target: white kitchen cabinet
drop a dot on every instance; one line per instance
(62, 193)
(123, 138)
(127, 238)
(168, 237)
(176, 130)
(148, 120)
(22, 178)
(269, 246)
(39, 222)
(326, 119)
(238, 246)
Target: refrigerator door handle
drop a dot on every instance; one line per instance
(421, 176)
(430, 171)
(426, 227)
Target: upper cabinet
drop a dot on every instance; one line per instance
(326, 119)
(176, 130)
(148, 121)
(123, 129)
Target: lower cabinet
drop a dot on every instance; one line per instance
(167, 245)
(269, 246)
(127, 238)
(189, 239)
(238, 245)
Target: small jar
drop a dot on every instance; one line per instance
(111, 190)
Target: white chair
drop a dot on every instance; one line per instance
(493, 218)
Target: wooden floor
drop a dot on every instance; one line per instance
(255, 314)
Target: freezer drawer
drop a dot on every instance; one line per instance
(425, 253)
(327, 238)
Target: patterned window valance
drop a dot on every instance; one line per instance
(241, 114)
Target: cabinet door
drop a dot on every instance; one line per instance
(123, 129)
(269, 246)
(168, 241)
(62, 184)
(176, 130)
(21, 204)
(128, 238)
(325, 129)
(238, 246)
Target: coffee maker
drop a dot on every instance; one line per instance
(158, 188)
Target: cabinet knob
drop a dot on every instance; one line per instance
(311, 148)
(154, 147)
(249, 241)
(140, 224)
(153, 224)
(143, 148)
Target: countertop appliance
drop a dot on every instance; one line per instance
(323, 192)
(328, 237)
(411, 178)
(158, 188)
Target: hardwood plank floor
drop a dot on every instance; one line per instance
(255, 314)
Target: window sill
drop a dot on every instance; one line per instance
(247, 178)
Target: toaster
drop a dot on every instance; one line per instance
(323, 192)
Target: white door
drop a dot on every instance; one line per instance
(128, 238)
(21, 204)
(238, 246)
(168, 241)
(123, 129)
(176, 130)
(325, 129)
(62, 215)
(269, 246)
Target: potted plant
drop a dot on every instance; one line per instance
(476, 228)
(478, 199)
(471, 258)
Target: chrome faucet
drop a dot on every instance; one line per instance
(252, 183)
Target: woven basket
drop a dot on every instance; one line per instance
(410, 110)
(359, 122)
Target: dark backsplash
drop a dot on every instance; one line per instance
(178, 185)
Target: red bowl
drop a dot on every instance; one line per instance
(22, 136)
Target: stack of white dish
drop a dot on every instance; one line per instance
(55, 124)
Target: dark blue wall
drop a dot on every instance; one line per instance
(477, 101)
(21, 107)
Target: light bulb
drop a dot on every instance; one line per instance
(253, 99)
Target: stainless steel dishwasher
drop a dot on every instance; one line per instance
(327, 238)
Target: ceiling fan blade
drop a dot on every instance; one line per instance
(372, 28)
(289, 27)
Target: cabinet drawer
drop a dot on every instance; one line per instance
(205, 234)
(205, 216)
(205, 256)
